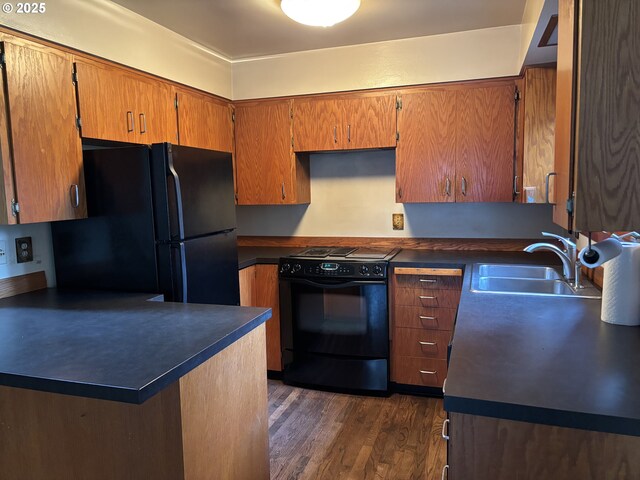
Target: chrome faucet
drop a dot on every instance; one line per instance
(570, 263)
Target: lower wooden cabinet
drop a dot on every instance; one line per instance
(423, 305)
(484, 448)
(259, 288)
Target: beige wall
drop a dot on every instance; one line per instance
(353, 194)
(532, 11)
(492, 52)
(108, 30)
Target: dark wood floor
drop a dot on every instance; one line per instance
(320, 435)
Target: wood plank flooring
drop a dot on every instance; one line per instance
(321, 435)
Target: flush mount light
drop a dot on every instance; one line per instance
(319, 13)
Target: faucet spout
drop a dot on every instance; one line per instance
(567, 263)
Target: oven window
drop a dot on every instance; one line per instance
(343, 321)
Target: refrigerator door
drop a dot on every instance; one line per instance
(201, 270)
(115, 247)
(193, 192)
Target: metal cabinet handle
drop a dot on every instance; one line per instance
(130, 122)
(349, 133)
(447, 188)
(445, 428)
(335, 134)
(424, 297)
(74, 191)
(516, 192)
(428, 280)
(428, 372)
(284, 195)
(427, 344)
(445, 472)
(546, 185)
(463, 186)
(422, 317)
(143, 123)
(444, 386)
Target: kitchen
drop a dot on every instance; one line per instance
(353, 195)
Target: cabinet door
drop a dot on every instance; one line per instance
(106, 97)
(485, 144)
(204, 122)
(264, 155)
(46, 146)
(155, 111)
(317, 125)
(369, 122)
(267, 295)
(247, 278)
(425, 155)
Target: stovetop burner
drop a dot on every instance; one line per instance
(346, 253)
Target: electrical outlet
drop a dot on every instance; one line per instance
(398, 221)
(24, 249)
(3, 252)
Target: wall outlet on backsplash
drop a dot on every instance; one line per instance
(3, 252)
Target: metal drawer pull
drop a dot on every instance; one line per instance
(349, 133)
(143, 123)
(444, 427)
(335, 134)
(130, 125)
(428, 372)
(444, 385)
(75, 196)
(428, 280)
(464, 187)
(447, 189)
(422, 317)
(424, 297)
(427, 344)
(445, 470)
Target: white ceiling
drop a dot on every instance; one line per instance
(240, 29)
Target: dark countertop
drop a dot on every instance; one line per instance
(248, 256)
(111, 346)
(537, 359)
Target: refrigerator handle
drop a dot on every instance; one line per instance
(180, 271)
(176, 186)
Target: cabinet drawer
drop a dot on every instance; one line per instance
(417, 342)
(431, 282)
(428, 372)
(424, 317)
(427, 298)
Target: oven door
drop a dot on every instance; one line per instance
(333, 317)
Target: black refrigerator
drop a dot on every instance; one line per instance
(161, 219)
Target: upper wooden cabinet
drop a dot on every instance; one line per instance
(268, 172)
(204, 122)
(39, 141)
(345, 122)
(118, 105)
(456, 143)
(598, 125)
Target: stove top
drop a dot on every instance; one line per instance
(346, 253)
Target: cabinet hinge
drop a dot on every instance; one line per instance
(176, 103)
(291, 142)
(570, 204)
(291, 113)
(3, 61)
(74, 77)
(397, 136)
(233, 117)
(398, 103)
(15, 207)
(516, 96)
(78, 122)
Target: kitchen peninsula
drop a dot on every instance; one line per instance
(108, 385)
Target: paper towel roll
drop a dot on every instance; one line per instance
(621, 289)
(606, 250)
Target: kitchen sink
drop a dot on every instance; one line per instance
(526, 280)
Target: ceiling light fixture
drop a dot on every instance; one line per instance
(319, 13)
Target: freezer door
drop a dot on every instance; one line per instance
(115, 247)
(193, 192)
(202, 270)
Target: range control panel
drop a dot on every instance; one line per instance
(300, 268)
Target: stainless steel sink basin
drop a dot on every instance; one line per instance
(526, 280)
(519, 271)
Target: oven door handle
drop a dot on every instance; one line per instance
(351, 283)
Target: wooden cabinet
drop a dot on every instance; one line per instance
(598, 131)
(204, 121)
(268, 172)
(345, 122)
(456, 143)
(486, 448)
(39, 141)
(423, 304)
(115, 104)
(259, 288)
